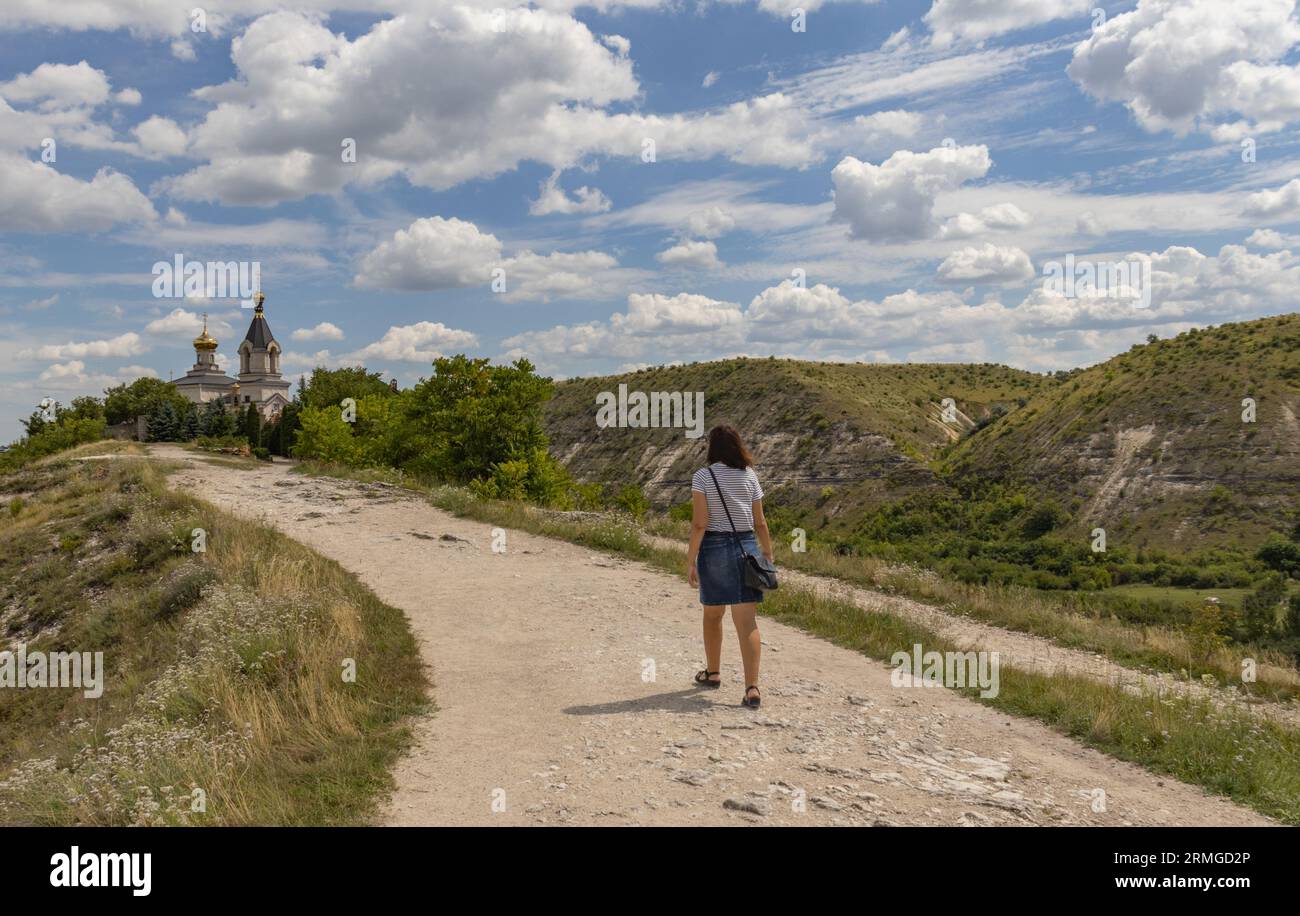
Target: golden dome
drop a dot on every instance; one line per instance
(205, 341)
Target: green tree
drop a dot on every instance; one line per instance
(191, 426)
(325, 436)
(140, 398)
(250, 426)
(328, 387)
(164, 423)
(279, 436)
(86, 408)
(1259, 608)
(1208, 632)
(1280, 554)
(472, 416)
(215, 421)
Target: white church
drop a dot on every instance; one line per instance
(259, 381)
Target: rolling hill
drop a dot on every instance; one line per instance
(869, 433)
(1150, 444)
(1157, 442)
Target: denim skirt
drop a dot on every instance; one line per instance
(722, 578)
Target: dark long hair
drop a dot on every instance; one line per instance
(725, 445)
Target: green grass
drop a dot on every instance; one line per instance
(223, 669)
(1228, 751)
(1231, 597)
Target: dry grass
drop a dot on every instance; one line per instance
(224, 670)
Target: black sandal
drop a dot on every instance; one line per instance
(751, 703)
(702, 679)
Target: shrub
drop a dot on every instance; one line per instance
(632, 499)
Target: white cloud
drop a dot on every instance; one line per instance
(975, 20)
(999, 217)
(58, 86)
(691, 254)
(128, 96)
(323, 331)
(497, 88)
(181, 323)
(710, 222)
(894, 201)
(71, 369)
(37, 305)
(421, 342)
(160, 137)
(431, 253)
(128, 344)
(183, 50)
(987, 264)
(436, 253)
(683, 313)
(36, 198)
(552, 198)
(1182, 64)
(1283, 201)
(709, 79)
(1271, 238)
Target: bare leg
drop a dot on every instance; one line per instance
(713, 637)
(751, 644)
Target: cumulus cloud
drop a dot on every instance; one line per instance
(160, 137)
(986, 264)
(181, 323)
(431, 253)
(953, 21)
(436, 253)
(497, 88)
(684, 313)
(1283, 201)
(323, 331)
(552, 198)
(894, 201)
(1271, 238)
(684, 324)
(999, 217)
(128, 344)
(1182, 64)
(710, 222)
(55, 86)
(422, 342)
(689, 254)
(71, 369)
(36, 198)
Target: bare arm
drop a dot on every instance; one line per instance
(699, 524)
(760, 530)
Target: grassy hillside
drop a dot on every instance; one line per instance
(1151, 445)
(830, 435)
(222, 668)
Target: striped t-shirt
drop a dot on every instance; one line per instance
(741, 489)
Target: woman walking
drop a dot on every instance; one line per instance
(726, 497)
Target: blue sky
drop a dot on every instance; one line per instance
(886, 185)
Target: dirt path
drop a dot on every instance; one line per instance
(561, 677)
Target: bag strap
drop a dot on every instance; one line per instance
(723, 498)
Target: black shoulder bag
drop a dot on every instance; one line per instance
(758, 572)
